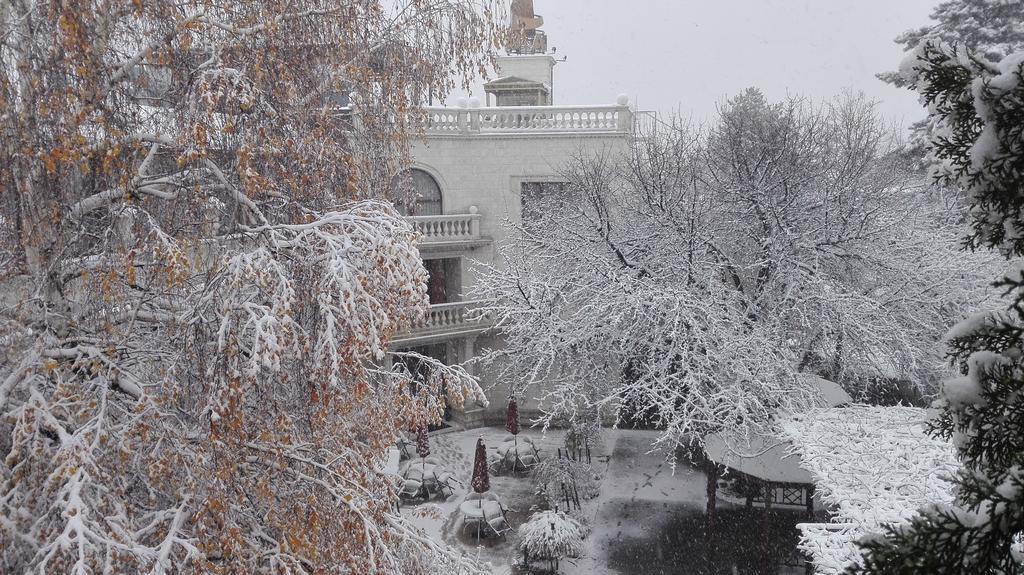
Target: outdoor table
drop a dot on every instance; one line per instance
(521, 449)
(514, 438)
(479, 510)
(423, 473)
(419, 470)
(521, 452)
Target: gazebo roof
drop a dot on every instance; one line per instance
(832, 394)
(768, 457)
(760, 457)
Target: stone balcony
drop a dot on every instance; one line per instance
(449, 232)
(510, 120)
(445, 321)
(448, 227)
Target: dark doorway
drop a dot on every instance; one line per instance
(420, 372)
(444, 279)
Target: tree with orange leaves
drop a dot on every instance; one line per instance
(200, 281)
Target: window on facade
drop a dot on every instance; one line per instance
(540, 198)
(416, 193)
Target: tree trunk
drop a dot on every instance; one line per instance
(711, 469)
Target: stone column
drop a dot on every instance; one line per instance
(625, 115)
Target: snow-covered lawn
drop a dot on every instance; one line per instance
(639, 495)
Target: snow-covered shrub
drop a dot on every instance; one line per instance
(551, 535)
(583, 434)
(559, 478)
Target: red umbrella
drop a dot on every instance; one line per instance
(422, 442)
(422, 447)
(481, 481)
(512, 426)
(512, 417)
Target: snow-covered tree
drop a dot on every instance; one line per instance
(991, 28)
(198, 288)
(563, 481)
(691, 280)
(978, 109)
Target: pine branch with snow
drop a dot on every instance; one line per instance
(978, 106)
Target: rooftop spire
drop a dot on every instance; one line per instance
(524, 24)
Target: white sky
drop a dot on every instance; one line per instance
(687, 55)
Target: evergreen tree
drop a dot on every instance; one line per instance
(992, 28)
(977, 107)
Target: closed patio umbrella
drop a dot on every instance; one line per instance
(481, 481)
(512, 417)
(422, 445)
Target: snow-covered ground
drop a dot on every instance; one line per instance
(647, 519)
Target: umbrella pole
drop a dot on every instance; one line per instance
(515, 451)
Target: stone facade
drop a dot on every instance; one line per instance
(481, 158)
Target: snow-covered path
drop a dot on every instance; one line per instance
(649, 520)
(639, 495)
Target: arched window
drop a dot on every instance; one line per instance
(416, 193)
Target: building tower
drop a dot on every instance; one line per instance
(525, 74)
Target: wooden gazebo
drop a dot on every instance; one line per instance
(763, 471)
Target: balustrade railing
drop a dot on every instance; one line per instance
(512, 119)
(448, 227)
(455, 317)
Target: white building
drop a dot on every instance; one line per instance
(471, 174)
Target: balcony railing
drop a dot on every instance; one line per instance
(456, 318)
(528, 119)
(448, 227)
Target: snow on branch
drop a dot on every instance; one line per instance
(196, 310)
(265, 374)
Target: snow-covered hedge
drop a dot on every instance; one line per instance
(872, 466)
